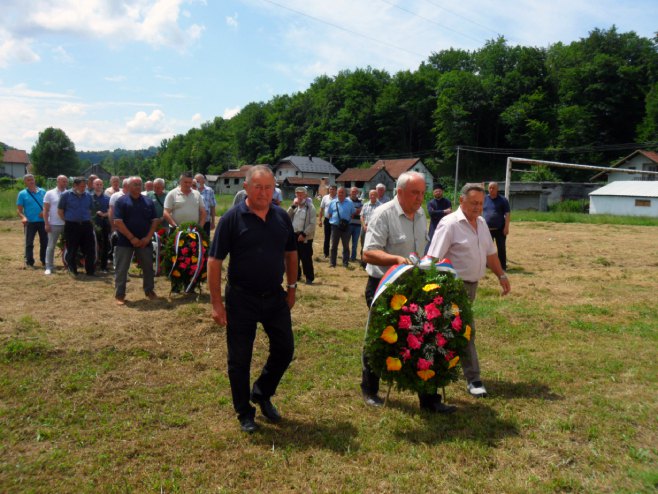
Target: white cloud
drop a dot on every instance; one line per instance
(144, 124)
(14, 48)
(115, 78)
(196, 118)
(62, 56)
(230, 112)
(232, 21)
(72, 109)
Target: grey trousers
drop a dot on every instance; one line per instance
(470, 362)
(53, 236)
(123, 257)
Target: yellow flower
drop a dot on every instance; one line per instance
(431, 286)
(393, 364)
(176, 273)
(467, 332)
(204, 243)
(453, 362)
(191, 235)
(425, 374)
(389, 335)
(173, 258)
(398, 301)
(194, 259)
(180, 243)
(455, 309)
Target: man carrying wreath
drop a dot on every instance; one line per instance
(260, 240)
(396, 229)
(464, 238)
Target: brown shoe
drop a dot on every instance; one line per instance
(121, 301)
(152, 296)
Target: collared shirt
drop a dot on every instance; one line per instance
(393, 232)
(184, 207)
(109, 191)
(435, 209)
(208, 200)
(158, 202)
(76, 207)
(367, 210)
(257, 248)
(115, 197)
(52, 197)
(324, 204)
(136, 214)
(99, 203)
(356, 217)
(466, 248)
(494, 211)
(340, 210)
(240, 196)
(32, 203)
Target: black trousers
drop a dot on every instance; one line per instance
(244, 310)
(499, 237)
(327, 236)
(344, 237)
(103, 240)
(32, 228)
(80, 235)
(305, 260)
(370, 380)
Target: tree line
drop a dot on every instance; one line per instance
(588, 101)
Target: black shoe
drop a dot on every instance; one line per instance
(372, 400)
(332, 265)
(248, 425)
(436, 406)
(267, 408)
(309, 282)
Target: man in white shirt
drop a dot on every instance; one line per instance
(323, 218)
(464, 238)
(54, 224)
(184, 204)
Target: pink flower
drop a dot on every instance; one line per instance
(405, 353)
(457, 323)
(413, 308)
(440, 340)
(184, 251)
(414, 342)
(404, 322)
(428, 327)
(424, 364)
(438, 300)
(449, 356)
(182, 266)
(432, 311)
(192, 244)
(405, 308)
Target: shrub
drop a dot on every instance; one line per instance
(571, 206)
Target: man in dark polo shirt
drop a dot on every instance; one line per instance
(74, 208)
(136, 221)
(496, 212)
(260, 240)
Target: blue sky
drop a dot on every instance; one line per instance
(128, 74)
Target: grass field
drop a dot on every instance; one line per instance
(96, 399)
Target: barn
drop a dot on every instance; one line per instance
(626, 198)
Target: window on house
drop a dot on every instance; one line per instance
(236, 181)
(226, 181)
(643, 203)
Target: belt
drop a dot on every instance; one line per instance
(245, 291)
(79, 222)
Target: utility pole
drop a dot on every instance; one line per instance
(456, 175)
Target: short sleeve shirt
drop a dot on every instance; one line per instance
(208, 199)
(256, 247)
(76, 207)
(136, 214)
(32, 203)
(494, 211)
(340, 210)
(184, 208)
(466, 248)
(367, 210)
(324, 204)
(52, 198)
(393, 232)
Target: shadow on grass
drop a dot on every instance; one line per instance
(528, 390)
(293, 434)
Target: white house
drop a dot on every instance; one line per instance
(305, 167)
(637, 160)
(15, 163)
(626, 198)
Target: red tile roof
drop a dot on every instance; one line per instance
(302, 181)
(395, 168)
(358, 174)
(15, 156)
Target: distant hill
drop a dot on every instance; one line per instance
(95, 157)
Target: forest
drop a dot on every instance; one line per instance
(590, 101)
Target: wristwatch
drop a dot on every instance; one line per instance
(294, 285)
(503, 276)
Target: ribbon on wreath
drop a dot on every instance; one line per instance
(157, 252)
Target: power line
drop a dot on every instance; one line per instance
(463, 17)
(336, 26)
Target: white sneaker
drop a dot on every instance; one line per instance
(47, 271)
(477, 389)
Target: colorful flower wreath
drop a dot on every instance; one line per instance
(419, 326)
(186, 257)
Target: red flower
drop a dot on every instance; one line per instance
(438, 300)
(404, 322)
(432, 311)
(424, 364)
(413, 308)
(192, 244)
(405, 353)
(184, 251)
(457, 323)
(428, 327)
(440, 340)
(449, 356)
(414, 342)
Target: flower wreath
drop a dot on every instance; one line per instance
(186, 257)
(419, 326)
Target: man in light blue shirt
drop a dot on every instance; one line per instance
(340, 212)
(209, 202)
(29, 205)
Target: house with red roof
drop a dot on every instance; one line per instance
(15, 163)
(231, 181)
(395, 168)
(637, 160)
(365, 179)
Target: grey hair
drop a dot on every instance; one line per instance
(27, 175)
(132, 179)
(469, 187)
(126, 181)
(405, 177)
(380, 186)
(159, 181)
(258, 170)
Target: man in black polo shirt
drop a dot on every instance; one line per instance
(136, 221)
(260, 239)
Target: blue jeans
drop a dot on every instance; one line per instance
(355, 233)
